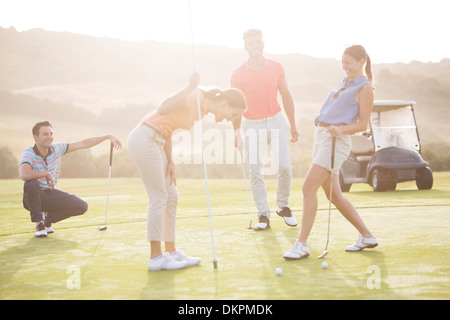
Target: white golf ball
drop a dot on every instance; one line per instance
(324, 265)
(278, 271)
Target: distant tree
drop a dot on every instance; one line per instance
(446, 163)
(9, 165)
(79, 164)
(437, 162)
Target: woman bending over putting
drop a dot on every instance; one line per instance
(150, 147)
(346, 110)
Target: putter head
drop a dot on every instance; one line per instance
(102, 228)
(215, 263)
(323, 254)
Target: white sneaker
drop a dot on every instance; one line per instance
(362, 243)
(179, 255)
(165, 262)
(49, 229)
(298, 251)
(48, 225)
(40, 230)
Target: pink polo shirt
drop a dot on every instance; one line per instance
(260, 88)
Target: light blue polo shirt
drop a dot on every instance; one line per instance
(51, 163)
(344, 109)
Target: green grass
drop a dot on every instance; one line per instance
(411, 261)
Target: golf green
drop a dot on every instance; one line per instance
(80, 262)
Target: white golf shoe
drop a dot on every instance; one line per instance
(298, 251)
(40, 230)
(263, 224)
(287, 215)
(362, 243)
(179, 255)
(48, 225)
(165, 262)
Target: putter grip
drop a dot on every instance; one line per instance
(111, 154)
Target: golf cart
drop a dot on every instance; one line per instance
(388, 152)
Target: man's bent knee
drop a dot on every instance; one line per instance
(30, 185)
(83, 207)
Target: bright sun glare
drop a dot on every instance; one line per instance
(391, 31)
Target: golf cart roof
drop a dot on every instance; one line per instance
(386, 105)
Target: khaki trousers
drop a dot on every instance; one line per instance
(146, 148)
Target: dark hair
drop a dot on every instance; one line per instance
(252, 33)
(235, 97)
(358, 52)
(38, 126)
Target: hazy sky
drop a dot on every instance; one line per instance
(391, 30)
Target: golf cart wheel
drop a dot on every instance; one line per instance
(380, 181)
(424, 178)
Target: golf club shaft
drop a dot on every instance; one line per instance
(203, 151)
(246, 190)
(109, 180)
(333, 147)
(209, 212)
(107, 195)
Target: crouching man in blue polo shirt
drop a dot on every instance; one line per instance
(39, 168)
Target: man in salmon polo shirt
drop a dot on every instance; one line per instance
(260, 80)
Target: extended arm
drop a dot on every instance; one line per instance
(288, 104)
(170, 164)
(175, 102)
(91, 142)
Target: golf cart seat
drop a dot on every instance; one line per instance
(362, 147)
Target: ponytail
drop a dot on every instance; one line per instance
(235, 97)
(213, 94)
(369, 69)
(358, 52)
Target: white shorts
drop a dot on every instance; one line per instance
(322, 149)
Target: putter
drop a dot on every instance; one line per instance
(104, 227)
(333, 145)
(203, 146)
(246, 191)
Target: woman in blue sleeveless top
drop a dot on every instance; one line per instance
(346, 110)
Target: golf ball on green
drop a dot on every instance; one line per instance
(324, 265)
(278, 271)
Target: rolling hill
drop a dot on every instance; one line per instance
(89, 85)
